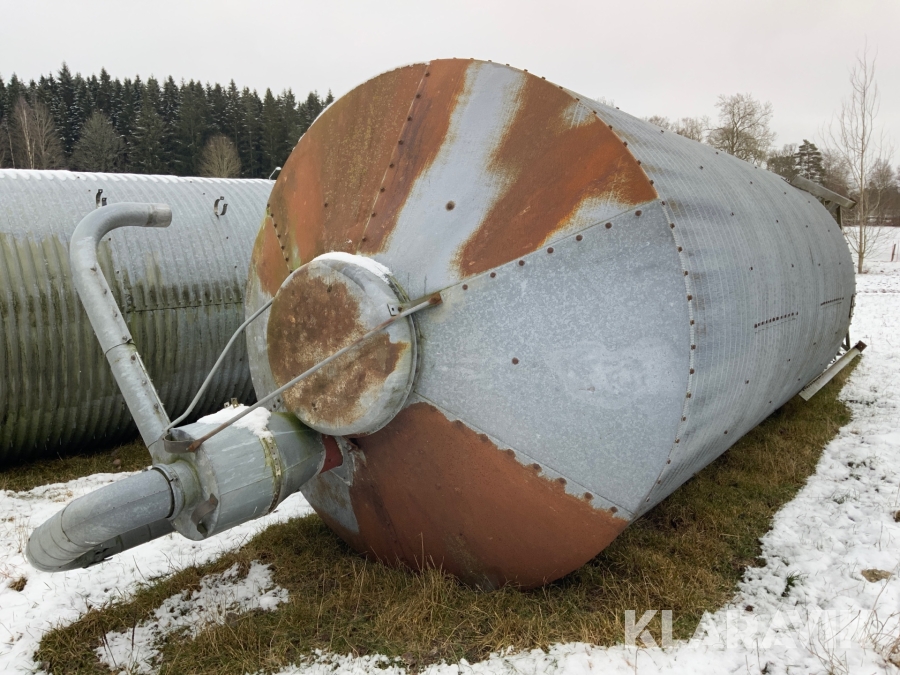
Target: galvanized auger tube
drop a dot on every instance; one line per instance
(241, 474)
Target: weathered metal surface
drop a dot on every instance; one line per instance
(180, 290)
(322, 308)
(620, 306)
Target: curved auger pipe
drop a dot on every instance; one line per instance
(106, 318)
(240, 475)
(95, 523)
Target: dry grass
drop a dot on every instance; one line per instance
(686, 555)
(26, 475)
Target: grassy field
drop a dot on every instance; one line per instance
(687, 555)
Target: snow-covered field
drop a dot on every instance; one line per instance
(828, 599)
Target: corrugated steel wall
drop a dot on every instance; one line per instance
(180, 289)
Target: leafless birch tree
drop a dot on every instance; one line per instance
(34, 143)
(861, 147)
(220, 158)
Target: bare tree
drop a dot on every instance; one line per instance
(220, 158)
(743, 129)
(883, 192)
(694, 128)
(100, 148)
(4, 143)
(34, 143)
(859, 146)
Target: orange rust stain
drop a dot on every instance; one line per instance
(550, 167)
(428, 491)
(312, 318)
(267, 260)
(339, 161)
(422, 138)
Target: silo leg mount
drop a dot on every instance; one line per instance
(813, 387)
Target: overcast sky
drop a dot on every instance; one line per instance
(666, 57)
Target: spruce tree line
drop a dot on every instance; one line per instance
(98, 123)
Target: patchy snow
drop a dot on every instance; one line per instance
(811, 609)
(48, 600)
(369, 264)
(220, 599)
(256, 421)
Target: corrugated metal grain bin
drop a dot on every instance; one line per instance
(620, 305)
(181, 291)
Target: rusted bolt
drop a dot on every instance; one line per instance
(685, 273)
(536, 467)
(726, 431)
(381, 190)
(608, 225)
(626, 143)
(363, 239)
(521, 263)
(651, 182)
(746, 381)
(515, 361)
(663, 203)
(613, 509)
(689, 394)
(672, 225)
(465, 287)
(588, 496)
(326, 206)
(638, 212)
(639, 162)
(692, 371)
(690, 297)
(693, 346)
(374, 214)
(680, 249)
(684, 419)
(418, 95)
(550, 250)
(409, 119)
(429, 74)
(561, 480)
(133, 357)
(450, 206)
(751, 269)
(493, 274)
(578, 237)
(610, 126)
(701, 167)
(400, 142)
(678, 440)
(692, 322)
(390, 166)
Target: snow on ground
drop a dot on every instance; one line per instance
(811, 609)
(48, 600)
(220, 598)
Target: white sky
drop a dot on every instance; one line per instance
(667, 57)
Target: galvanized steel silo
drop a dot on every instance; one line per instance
(181, 291)
(620, 305)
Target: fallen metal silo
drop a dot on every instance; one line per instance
(181, 294)
(493, 322)
(620, 305)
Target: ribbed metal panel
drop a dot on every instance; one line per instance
(180, 289)
(771, 285)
